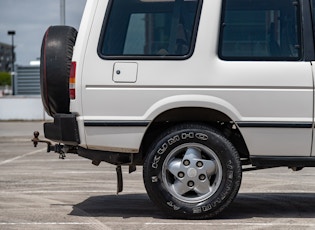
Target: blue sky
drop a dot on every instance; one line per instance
(30, 19)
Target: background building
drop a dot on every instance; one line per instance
(5, 57)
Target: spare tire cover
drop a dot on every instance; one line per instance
(55, 65)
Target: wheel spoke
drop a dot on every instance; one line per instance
(192, 154)
(174, 167)
(210, 167)
(181, 188)
(203, 187)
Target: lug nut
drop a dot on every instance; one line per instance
(181, 174)
(186, 162)
(190, 183)
(199, 164)
(202, 177)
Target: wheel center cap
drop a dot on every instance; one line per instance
(192, 172)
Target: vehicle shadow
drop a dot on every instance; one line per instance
(123, 205)
(245, 206)
(271, 205)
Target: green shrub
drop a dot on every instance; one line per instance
(5, 78)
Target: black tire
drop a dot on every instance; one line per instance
(192, 172)
(55, 65)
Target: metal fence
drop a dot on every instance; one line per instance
(26, 81)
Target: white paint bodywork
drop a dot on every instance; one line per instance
(244, 91)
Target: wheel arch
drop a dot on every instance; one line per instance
(208, 116)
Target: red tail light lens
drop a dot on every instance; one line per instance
(72, 80)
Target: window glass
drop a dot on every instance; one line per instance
(313, 11)
(260, 30)
(149, 28)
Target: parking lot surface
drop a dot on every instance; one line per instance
(40, 191)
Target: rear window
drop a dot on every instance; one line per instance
(149, 28)
(260, 30)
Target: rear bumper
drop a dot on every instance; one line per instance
(64, 129)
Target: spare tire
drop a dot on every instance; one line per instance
(55, 65)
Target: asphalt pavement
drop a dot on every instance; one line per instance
(40, 191)
(19, 129)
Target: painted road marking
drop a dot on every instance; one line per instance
(19, 157)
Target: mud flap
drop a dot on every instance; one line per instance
(119, 179)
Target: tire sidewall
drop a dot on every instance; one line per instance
(231, 172)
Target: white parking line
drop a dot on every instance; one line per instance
(60, 191)
(19, 157)
(49, 223)
(102, 192)
(234, 224)
(166, 224)
(96, 224)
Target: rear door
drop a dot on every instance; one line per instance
(267, 52)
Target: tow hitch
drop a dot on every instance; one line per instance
(57, 148)
(97, 157)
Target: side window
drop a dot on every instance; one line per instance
(149, 28)
(260, 30)
(313, 16)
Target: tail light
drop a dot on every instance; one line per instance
(72, 80)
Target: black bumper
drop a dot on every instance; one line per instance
(64, 129)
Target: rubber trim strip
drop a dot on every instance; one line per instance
(262, 124)
(116, 123)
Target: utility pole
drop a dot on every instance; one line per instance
(12, 33)
(62, 12)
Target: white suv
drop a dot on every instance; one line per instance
(196, 91)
